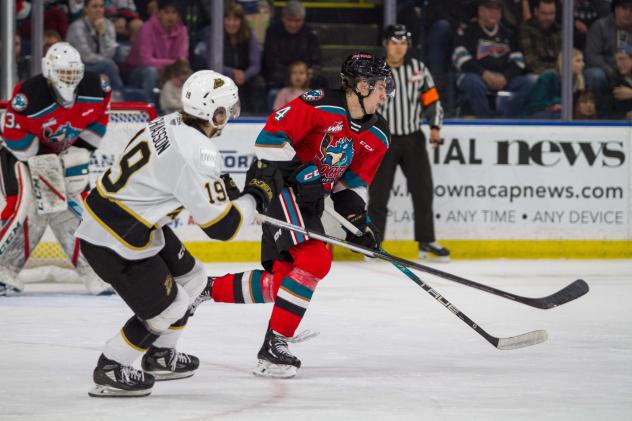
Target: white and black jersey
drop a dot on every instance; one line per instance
(167, 166)
(415, 96)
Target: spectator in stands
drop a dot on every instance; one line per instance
(242, 60)
(445, 19)
(22, 63)
(297, 84)
(95, 38)
(585, 106)
(172, 78)
(286, 42)
(50, 37)
(545, 99)
(489, 60)
(622, 85)
(541, 38)
(605, 37)
(162, 40)
(585, 13)
(125, 18)
(55, 18)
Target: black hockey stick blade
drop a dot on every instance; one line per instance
(571, 292)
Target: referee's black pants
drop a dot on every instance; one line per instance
(409, 152)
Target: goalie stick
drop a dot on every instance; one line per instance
(569, 293)
(514, 342)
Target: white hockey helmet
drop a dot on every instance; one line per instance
(211, 96)
(63, 68)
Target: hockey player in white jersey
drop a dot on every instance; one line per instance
(169, 165)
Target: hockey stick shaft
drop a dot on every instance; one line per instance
(520, 341)
(575, 290)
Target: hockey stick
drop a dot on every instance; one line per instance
(514, 342)
(569, 293)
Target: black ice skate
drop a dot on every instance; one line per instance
(169, 364)
(116, 380)
(205, 295)
(434, 251)
(275, 358)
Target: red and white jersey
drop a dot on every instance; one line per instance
(166, 167)
(36, 123)
(316, 127)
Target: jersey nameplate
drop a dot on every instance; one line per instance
(159, 136)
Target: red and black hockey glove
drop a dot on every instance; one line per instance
(263, 182)
(308, 188)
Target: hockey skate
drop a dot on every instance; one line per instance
(434, 252)
(275, 358)
(205, 295)
(116, 380)
(169, 364)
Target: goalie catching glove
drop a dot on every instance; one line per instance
(263, 182)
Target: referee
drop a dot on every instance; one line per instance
(415, 95)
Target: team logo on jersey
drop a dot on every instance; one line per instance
(105, 84)
(313, 95)
(334, 128)
(335, 156)
(218, 83)
(168, 284)
(20, 102)
(63, 134)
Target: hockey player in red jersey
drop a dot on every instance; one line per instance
(326, 142)
(61, 112)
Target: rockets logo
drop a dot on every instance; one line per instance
(20, 102)
(335, 157)
(313, 95)
(64, 134)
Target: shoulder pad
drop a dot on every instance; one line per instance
(199, 151)
(91, 85)
(32, 96)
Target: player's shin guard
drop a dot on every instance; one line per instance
(255, 286)
(130, 342)
(292, 300)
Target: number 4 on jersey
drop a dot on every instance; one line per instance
(278, 116)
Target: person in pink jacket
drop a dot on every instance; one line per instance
(162, 40)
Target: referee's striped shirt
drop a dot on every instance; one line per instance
(415, 95)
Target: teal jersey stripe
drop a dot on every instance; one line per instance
(380, 135)
(266, 138)
(332, 109)
(298, 289)
(255, 286)
(47, 110)
(20, 144)
(76, 170)
(97, 128)
(90, 99)
(352, 180)
(287, 198)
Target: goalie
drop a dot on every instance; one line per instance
(52, 124)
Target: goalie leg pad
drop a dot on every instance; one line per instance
(49, 187)
(63, 224)
(21, 232)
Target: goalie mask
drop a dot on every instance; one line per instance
(63, 68)
(211, 96)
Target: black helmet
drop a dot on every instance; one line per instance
(365, 66)
(398, 32)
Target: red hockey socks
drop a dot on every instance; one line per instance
(256, 286)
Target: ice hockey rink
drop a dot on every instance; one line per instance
(386, 351)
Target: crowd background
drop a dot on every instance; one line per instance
(489, 58)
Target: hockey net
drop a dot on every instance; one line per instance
(126, 118)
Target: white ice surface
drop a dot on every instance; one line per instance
(387, 350)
